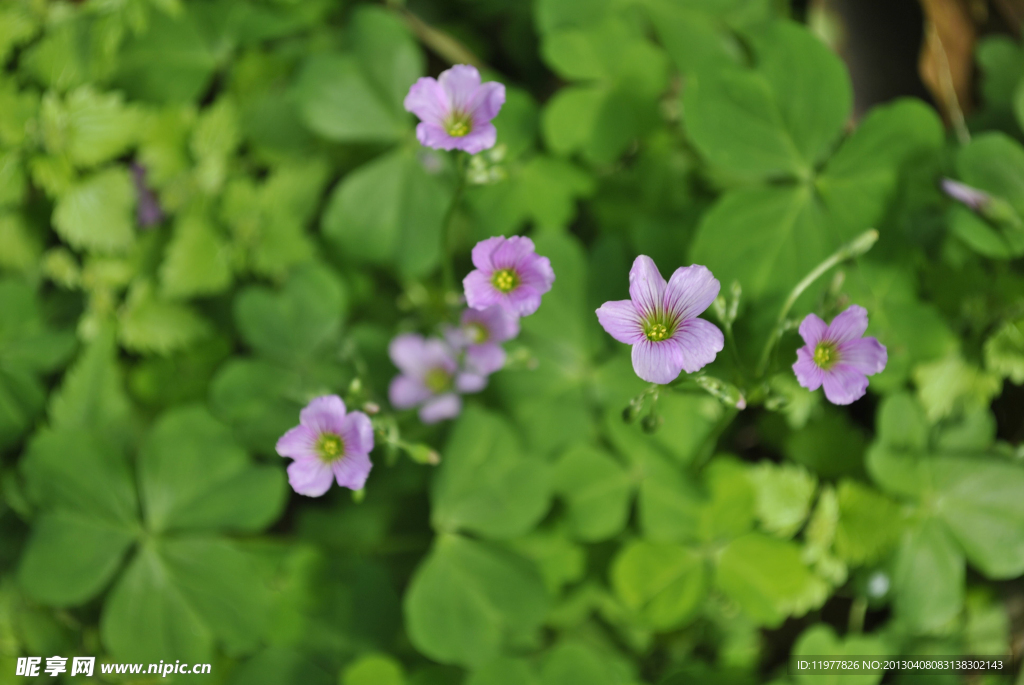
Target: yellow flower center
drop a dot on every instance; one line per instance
(505, 280)
(661, 326)
(476, 333)
(437, 380)
(657, 332)
(458, 125)
(330, 447)
(826, 355)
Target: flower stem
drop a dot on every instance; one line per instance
(854, 248)
(447, 249)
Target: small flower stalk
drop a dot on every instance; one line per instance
(838, 357)
(456, 110)
(328, 445)
(660, 320)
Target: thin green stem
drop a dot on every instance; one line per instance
(854, 248)
(858, 610)
(447, 249)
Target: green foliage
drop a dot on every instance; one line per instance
(150, 360)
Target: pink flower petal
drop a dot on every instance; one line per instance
(428, 100)
(621, 320)
(324, 414)
(435, 136)
(461, 84)
(310, 477)
(408, 353)
(489, 99)
(700, 342)
(480, 292)
(498, 322)
(690, 291)
(657, 362)
(357, 434)
(485, 359)
(844, 384)
(483, 251)
(866, 355)
(513, 253)
(482, 137)
(406, 391)
(440, 408)
(812, 330)
(352, 470)
(849, 325)
(470, 382)
(522, 301)
(646, 286)
(298, 443)
(808, 374)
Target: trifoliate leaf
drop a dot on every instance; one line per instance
(151, 325)
(288, 326)
(194, 476)
(485, 483)
(467, 598)
(952, 384)
(663, 583)
(388, 212)
(22, 246)
(597, 489)
(928, 580)
(169, 62)
(784, 494)
(91, 396)
(197, 261)
(979, 501)
(766, 577)
(97, 213)
(88, 126)
(1004, 351)
(869, 526)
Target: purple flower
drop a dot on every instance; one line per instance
(455, 110)
(660, 320)
(430, 378)
(148, 211)
(510, 274)
(327, 445)
(480, 333)
(837, 356)
(965, 194)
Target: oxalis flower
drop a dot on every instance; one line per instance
(509, 273)
(430, 378)
(838, 356)
(660, 320)
(327, 445)
(480, 333)
(456, 110)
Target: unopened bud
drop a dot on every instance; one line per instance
(423, 454)
(651, 423)
(371, 408)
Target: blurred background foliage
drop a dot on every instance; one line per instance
(214, 210)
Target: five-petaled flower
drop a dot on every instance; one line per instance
(660, 320)
(480, 333)
(327, 445)
(431, 378)
(838, 356)
(509, 273)
(456, 110)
